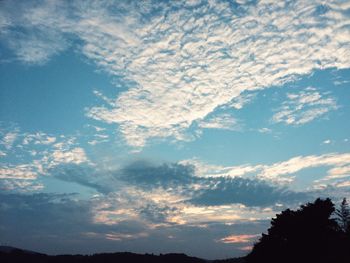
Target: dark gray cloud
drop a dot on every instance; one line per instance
(213, 191)
(140, 173)
(155, 213)
(164, 175)
(30, 219)
(249, 192)
(83, 175)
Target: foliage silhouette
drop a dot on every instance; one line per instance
(343, 214)
(309, 234)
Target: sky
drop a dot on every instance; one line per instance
(168, 126)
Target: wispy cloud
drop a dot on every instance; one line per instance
(39, 138)
(280, 172)
(304, 107)
(239, 239)
(209, 170)
(121, 236)
(32, 32)
(223, 122)
(343, 184)
(340, 82)
(339, 172)
(264, 130)
(8, 139)
(326, 141)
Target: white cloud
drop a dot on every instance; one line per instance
(339, 172)
(264, 130)
(182, 77)
(8, 139)
(33, 32)
(39, 138)
(326, 141)
(222, 121)
(305, 106)
(340, 82)
(35, 154)
(239, 239)
(20, 185)
(75, 156)
(22, 171)
(181, 64)
(343, 184)
(35, 50)
(122, 236)
(280, 172)
(129, 204)
(240, 101)
(210, 170)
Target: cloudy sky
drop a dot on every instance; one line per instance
(168, 126)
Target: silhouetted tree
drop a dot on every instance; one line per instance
(343, 214)
(308, 234)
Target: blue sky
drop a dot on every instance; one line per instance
(158, 126)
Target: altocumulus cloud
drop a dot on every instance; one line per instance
(305, 107)
(205, 54)
(29, 156)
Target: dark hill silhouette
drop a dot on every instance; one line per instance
(14, 255)
(9, 249)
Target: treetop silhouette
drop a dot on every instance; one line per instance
(309, 234)
(343, 214)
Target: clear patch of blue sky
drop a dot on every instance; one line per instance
(51, 97)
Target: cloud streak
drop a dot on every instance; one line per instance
(304, 107)
(283, 172)
(238, 239)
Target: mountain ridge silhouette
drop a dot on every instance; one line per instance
(10, 254)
